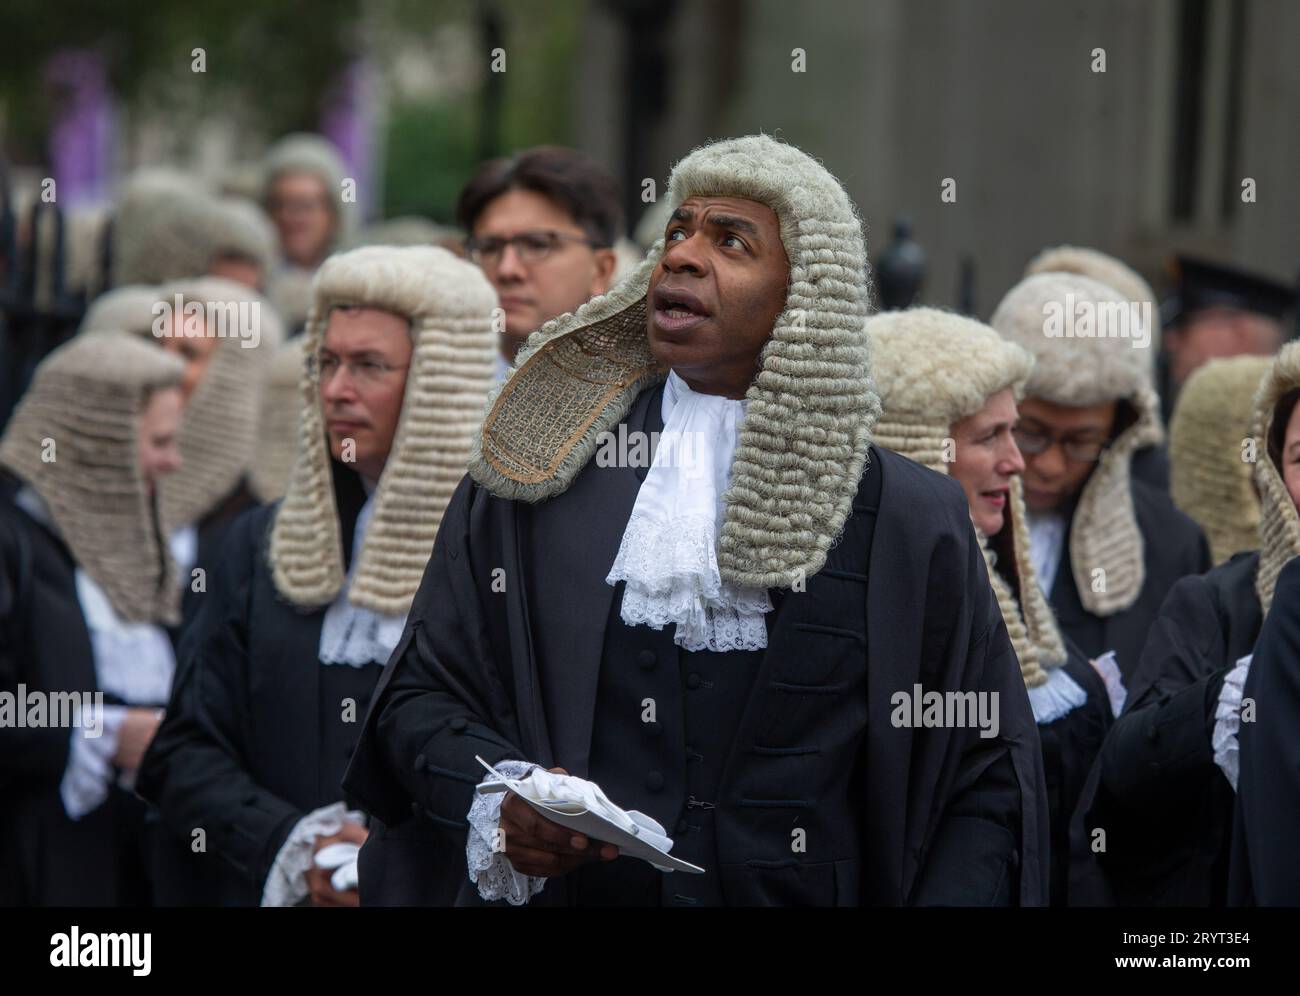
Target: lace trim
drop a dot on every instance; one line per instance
(1058, 695)
(1227, 721)
(286, 883)
(672, 577)
(490, 869)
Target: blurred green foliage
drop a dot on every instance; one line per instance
(274, 61)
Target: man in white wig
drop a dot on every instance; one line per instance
(737, 640)
(312, 592)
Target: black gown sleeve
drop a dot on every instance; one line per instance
(442, 699)
(1159, 750)
(29, 753)
(990, 848)
(1268, 800)
(195, 770)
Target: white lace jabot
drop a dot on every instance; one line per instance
(351, 634)
(669, 553)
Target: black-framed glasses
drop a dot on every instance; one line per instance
(531, 247)
(1033, 442)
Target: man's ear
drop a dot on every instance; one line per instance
(605, 263)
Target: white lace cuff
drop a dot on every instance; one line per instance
(489, 868)
(89, 770)
(286, 885)
(1227, 721)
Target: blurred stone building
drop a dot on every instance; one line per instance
(1002, 96)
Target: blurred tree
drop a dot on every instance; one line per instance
(274, 59)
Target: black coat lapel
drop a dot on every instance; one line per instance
(573, 539)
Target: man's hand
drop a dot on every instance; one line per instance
(318, 879)
(134, 735)
(536, 846)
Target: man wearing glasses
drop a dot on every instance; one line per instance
(1107, 547)
(311, 595)
(542, 225)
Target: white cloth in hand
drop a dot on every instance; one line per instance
(1227, 721)
(84, 785)
(286, 884)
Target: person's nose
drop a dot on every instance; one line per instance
(685, 256)
(171, 461)
(339, 386)
(1051, 462)
(1011, 461)
(510, 267)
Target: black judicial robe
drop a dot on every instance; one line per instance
(935, 815)
(1165, 805)
(1070, 747)
(1266, 830)
(1173, 548)
(255, 736)
(46, 858)
(212, 529)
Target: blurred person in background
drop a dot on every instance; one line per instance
(1217, 311)
(1150, 462)
(86, 588)
(1107, 547)
(543, 225)
(302, 193)
(1170, 765)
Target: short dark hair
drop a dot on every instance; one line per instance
(573, 181)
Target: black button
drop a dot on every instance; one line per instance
(646, 658)
(458, 724)
(419, 762)
(1152, 734)
(653, 729)
(415, 809)
(692, 680)
(682, 826)
(654, 781)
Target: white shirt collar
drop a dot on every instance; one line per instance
(1046, 542)
(351, 634)
(668, 555)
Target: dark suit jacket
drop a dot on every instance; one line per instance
(948, 817)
